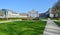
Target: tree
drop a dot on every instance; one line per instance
(56, 8)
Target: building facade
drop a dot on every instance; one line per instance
(5, 13)
(54, 13)
(33, 14)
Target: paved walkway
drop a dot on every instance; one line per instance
(51, 28)
(51, 20)
(9, 21)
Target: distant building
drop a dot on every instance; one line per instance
(33, 14)
(23, 15)
(1, 13)
(54, 13)
(51, 12)
(8, 13)
(55, 10)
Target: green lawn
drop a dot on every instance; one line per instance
(22, 28)
(58, 23)
(53, 18)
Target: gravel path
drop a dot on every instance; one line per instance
(51, 28)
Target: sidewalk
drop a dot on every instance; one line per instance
(51, 28)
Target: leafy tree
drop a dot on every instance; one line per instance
(56, 8)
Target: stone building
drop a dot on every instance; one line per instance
(33, 14)
(5, 13)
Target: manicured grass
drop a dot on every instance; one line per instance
(58, 23)
(22, 28)
(53, 18)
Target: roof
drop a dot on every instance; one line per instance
(33, 11)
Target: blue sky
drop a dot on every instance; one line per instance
(22, 6)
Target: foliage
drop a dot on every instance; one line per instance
(56, 8)
(53, 18)
(58, 23)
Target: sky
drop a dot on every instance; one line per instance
(23, 6)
